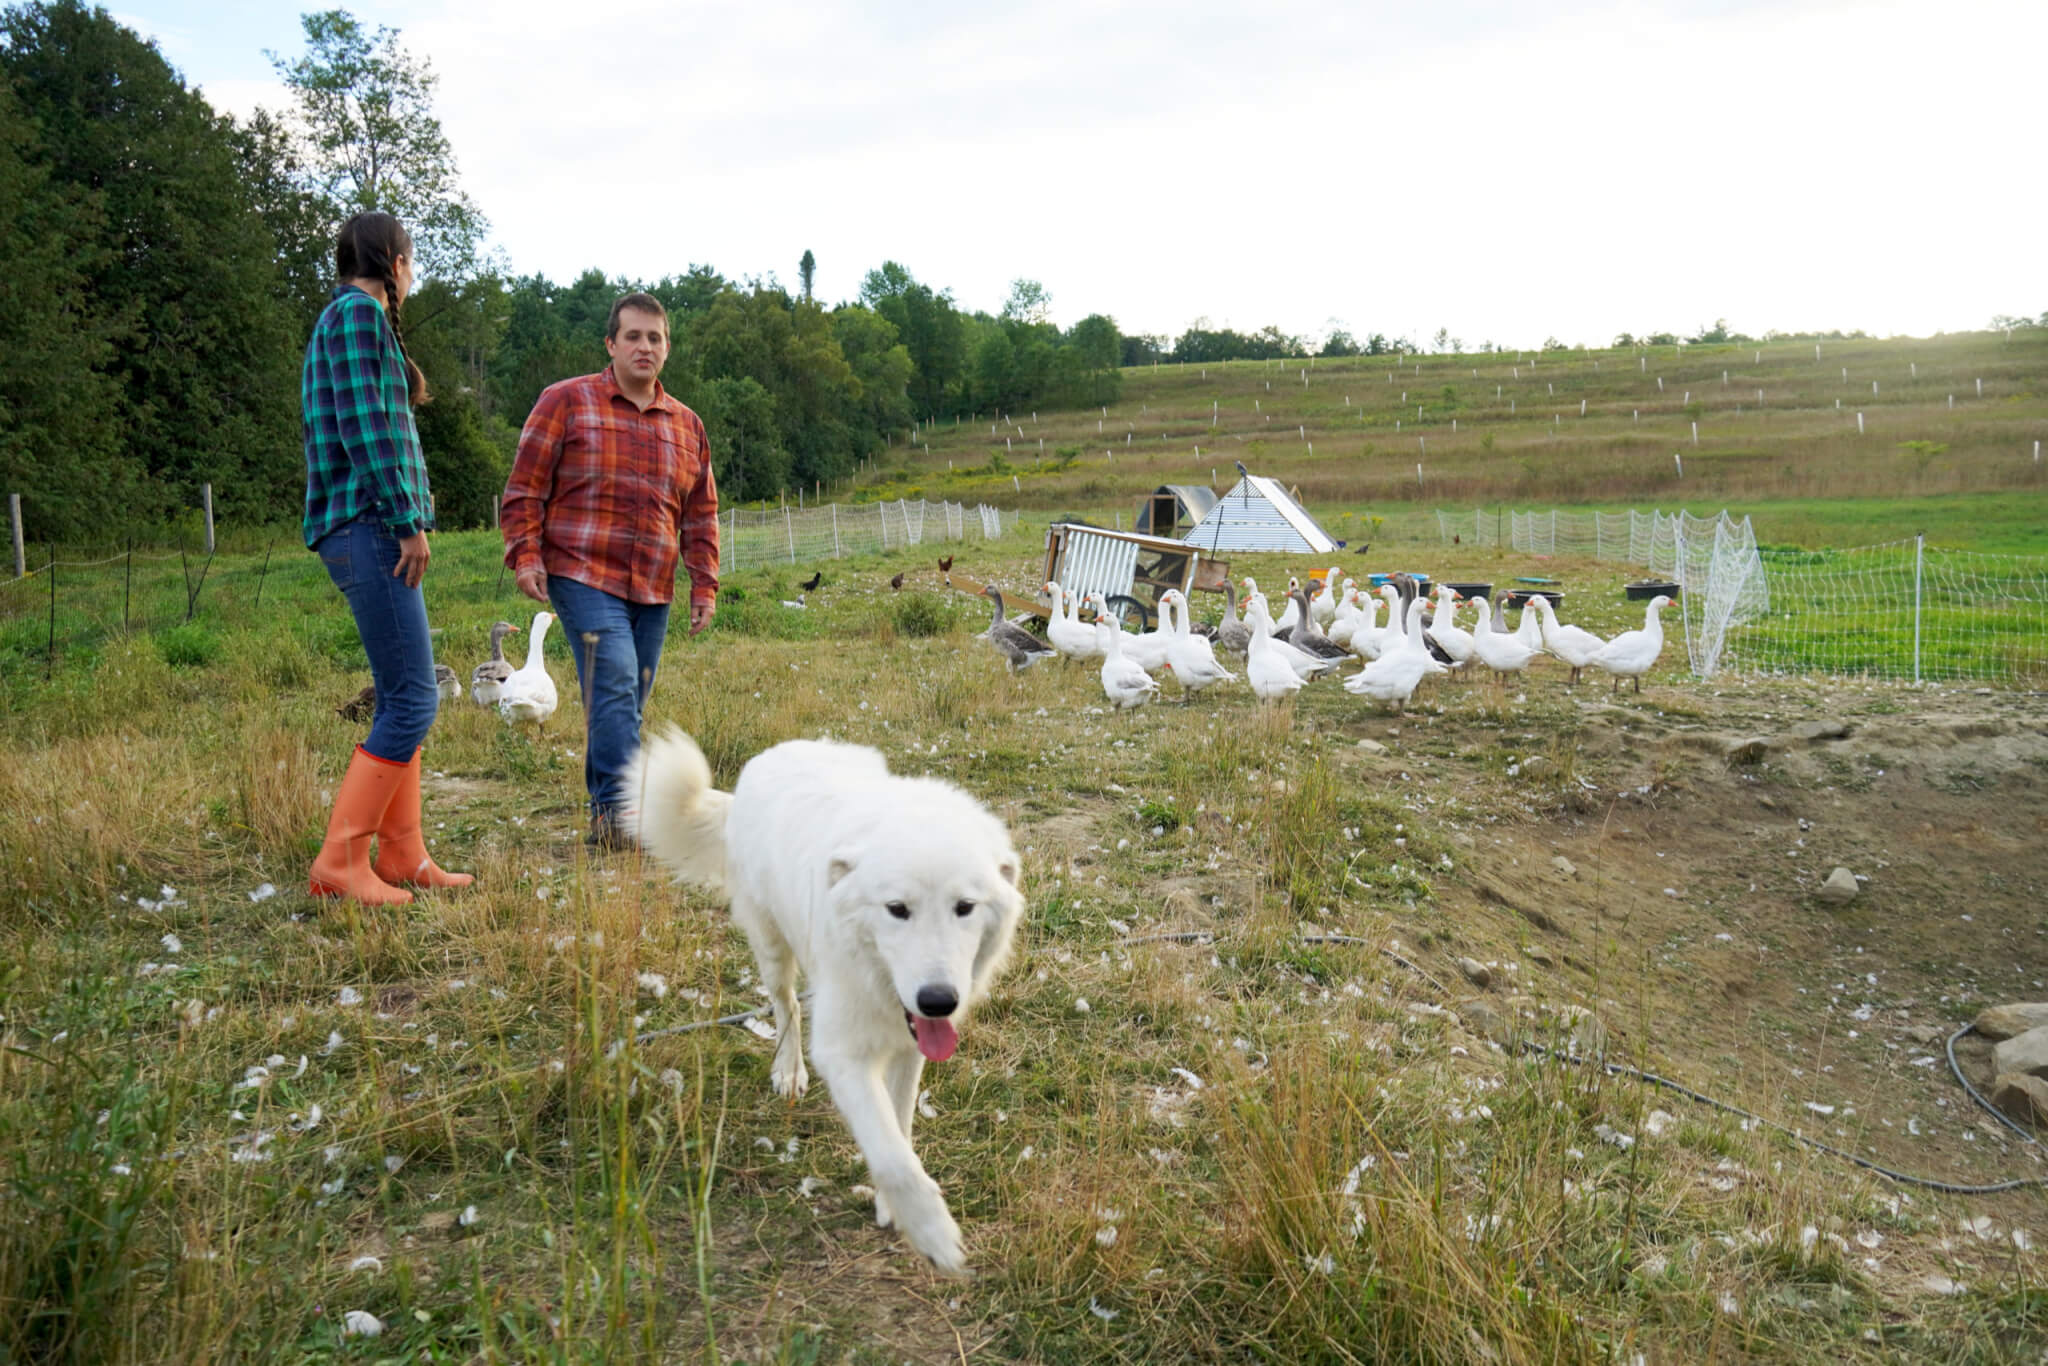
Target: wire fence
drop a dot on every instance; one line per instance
(81, 598)
(78, 598)
(1902, 611)
(792, 536)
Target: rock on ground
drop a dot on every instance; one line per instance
(1998, 1023)
(2023, 1054)
(2022, 1097)
(1840, 888)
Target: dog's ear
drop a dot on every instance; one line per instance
(1009, 867)
(842, 863)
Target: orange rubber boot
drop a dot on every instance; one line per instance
(402, 855)
(342, 867)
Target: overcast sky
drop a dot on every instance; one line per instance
(1506, 171)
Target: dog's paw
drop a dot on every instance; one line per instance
(788, 1075)
(883, 1218)
(924, 1221)
(938, 1238)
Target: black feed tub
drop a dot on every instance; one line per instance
(1472, 590)
(1520, 596)
(1643, 592)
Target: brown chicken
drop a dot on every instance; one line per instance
(361, 707)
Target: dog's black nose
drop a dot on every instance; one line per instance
(937, 1002)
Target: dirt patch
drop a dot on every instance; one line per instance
(1692, 895)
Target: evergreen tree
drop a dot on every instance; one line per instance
(60, 437)
(204, 367)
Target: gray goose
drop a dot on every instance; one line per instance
(1309, 638)
(489, 676)
(1232, 634)
(1017, 645)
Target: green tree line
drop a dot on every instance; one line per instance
(165, 264)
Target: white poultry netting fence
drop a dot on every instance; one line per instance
(1906, 610)
(798, 536)
(1713, 560)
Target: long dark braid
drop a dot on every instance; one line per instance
(415, 378)
(368, 247)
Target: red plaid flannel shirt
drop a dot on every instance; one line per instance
(608, 495)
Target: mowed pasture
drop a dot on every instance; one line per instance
(1795, 460)
(1237, 1099)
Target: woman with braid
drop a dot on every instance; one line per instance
(368, 512)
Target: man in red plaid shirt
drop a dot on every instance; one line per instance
(612, 484)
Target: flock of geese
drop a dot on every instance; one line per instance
(523, 694)
(1399, 635)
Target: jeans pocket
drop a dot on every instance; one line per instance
(339, 564)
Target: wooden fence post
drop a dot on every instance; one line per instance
(14, 514)
(206, 496)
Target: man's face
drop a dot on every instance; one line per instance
(641, 347)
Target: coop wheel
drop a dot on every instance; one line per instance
(1127, 609)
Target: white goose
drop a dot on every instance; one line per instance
(528, 693)
(1253, 595)
(1529, 629)
(1498, 650)
(1445, 631)
(1575, 645)
(1290, 615)
(1147, 649)
(1123, 682)
(1303, 663)
(1191, 658)
(488, 677)
(1271, 674)
(1350, 612)
(1323, 606)
(1634, 653)
(1065, 630)
(1403, 664)
(1371, 640)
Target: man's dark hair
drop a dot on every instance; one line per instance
(639, 299)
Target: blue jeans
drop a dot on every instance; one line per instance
(616, 671)
(392, 621)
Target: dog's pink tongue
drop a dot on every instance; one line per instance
(936, 1039)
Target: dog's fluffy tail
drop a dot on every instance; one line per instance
(673, 809)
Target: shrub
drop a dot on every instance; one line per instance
(919, 615)
(187, 646)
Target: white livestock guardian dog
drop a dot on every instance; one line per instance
(896, 897)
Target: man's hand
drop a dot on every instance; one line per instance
(412, 559)
(533, 583)
(700, 614)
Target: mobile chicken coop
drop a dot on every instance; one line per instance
(1129, 570)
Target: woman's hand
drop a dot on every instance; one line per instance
(412, 559)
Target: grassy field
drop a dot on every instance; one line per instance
(1288, 1131)
(1506, 430)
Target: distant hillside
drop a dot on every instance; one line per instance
(1560, 428)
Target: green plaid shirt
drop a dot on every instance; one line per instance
(362, 447)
